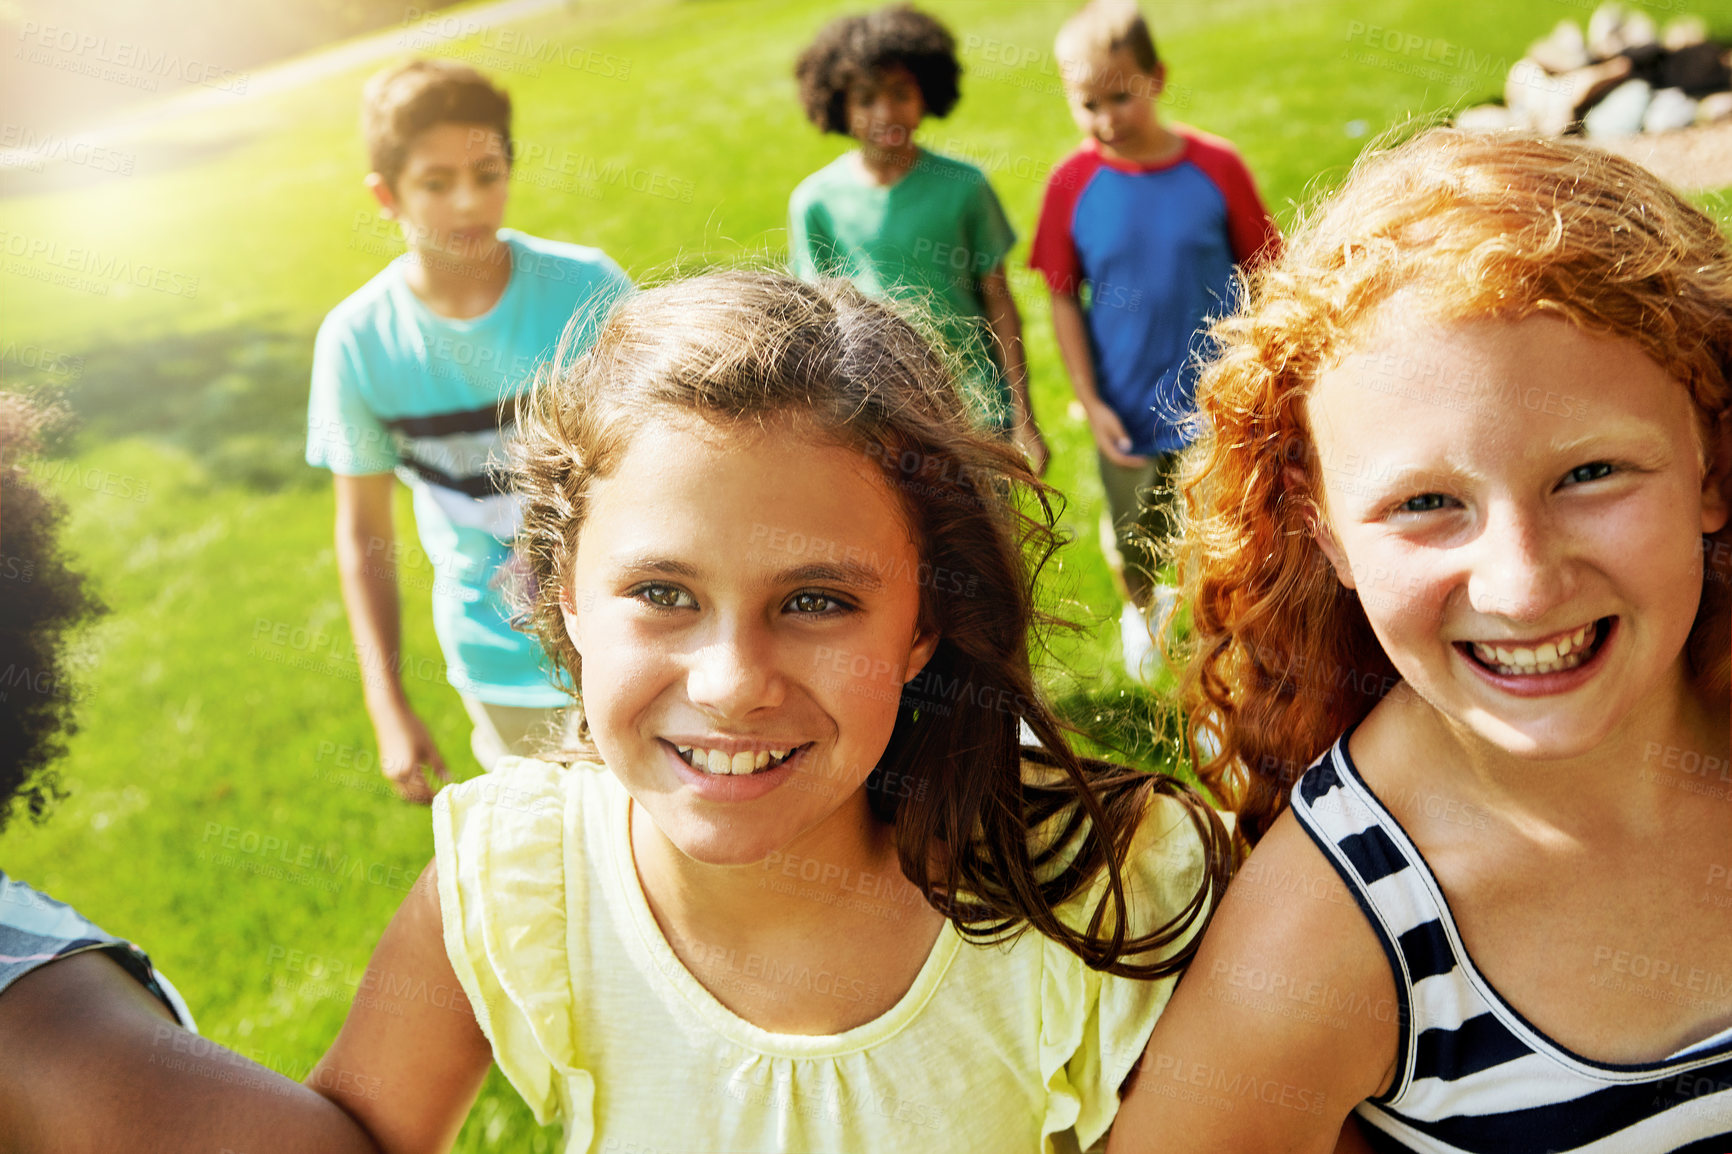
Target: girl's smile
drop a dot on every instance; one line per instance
(724, 651)
(1519, 506)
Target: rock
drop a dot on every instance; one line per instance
(1640, 34)
(1613, 29)
(1698, 69)
(1485, 118)
(1603, 40)
(1620, 112)
(1682, 32)
(1669, 109)
(1714, 108)
(1552, 104)
(1563, 51)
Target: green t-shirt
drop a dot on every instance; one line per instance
(929, 238)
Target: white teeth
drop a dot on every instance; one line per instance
(719, 762)
(1552, 657)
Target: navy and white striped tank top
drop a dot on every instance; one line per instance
(1472, 1076)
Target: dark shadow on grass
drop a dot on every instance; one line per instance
(235, 399)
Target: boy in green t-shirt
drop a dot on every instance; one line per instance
(900, 221)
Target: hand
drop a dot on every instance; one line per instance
(1110, 435)
(405, 747)
(1026, 437)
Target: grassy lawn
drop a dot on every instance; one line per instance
(223, 737)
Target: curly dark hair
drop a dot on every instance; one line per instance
(742, 347)
(852, 49)
(41, 600)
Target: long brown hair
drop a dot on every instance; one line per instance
(994, 849)
(1283, 659)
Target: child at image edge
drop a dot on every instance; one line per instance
(412, 374)
(1152, 222)
(766, 908)
(895, 218)
(1463, 501)
(98, 1051)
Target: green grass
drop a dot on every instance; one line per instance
(218, 698)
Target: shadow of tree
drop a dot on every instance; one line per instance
(234, 398)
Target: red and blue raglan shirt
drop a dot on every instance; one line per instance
(1156, 246)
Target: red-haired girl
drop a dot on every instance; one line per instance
(1458, 543)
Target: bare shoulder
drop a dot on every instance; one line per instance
(1284, 1022)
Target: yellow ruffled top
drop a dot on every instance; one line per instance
(996, 1049)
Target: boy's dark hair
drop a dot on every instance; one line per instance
(1104, 27)
(405, 100)
(41, 600)
(853, 49)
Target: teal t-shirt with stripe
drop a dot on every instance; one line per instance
(397, 388)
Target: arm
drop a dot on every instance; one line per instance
(1006, 325)
(1287, 931)
(407, 1068)
(90, 1062)
(1071, 331)
(366, 563)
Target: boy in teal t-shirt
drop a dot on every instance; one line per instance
(900, 221)
(413, 375)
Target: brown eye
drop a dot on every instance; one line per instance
(814, 604)
(663, 596)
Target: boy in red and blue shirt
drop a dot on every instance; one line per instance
(1151, 223)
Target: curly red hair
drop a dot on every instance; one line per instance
(1282, 659)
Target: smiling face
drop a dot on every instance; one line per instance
(450, 196)
(744, 603)
(884, 110)
(1113, 100)
(1519, 506)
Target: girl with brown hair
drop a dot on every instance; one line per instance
(779, 900)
